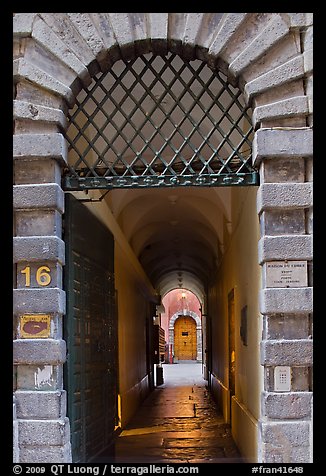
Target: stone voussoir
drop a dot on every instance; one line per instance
(22, 24)
(158, 31)
(158, 24)
(294, 352)
(286, 72)
(121, 26)
(61, 24)
(43, 34)
(139, 25)
(86, 28)
(36, 146)
(103, 26)
(192, 27)
(84, 24)
(24, 70)
(226, 30)
(274, 32)
(39, 351)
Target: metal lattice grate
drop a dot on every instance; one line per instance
(159, 121)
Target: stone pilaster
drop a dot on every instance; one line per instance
(282, 204)
(41, 428)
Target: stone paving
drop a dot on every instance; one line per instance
(178, 423)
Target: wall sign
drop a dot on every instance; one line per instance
(35, 326)
(286, 274)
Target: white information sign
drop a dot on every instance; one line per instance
(286, 274)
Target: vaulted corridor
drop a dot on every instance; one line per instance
(177, 423)
(186, 269)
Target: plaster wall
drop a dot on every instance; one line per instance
(239, 271)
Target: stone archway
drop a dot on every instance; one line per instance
(269, 56)
(197, 319)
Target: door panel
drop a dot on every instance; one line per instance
(149, 344)
(90, 332)
(185, 338)
(231, 317)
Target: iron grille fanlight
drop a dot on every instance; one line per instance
(159, 121)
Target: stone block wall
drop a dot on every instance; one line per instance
(269, 56)
(41, 428)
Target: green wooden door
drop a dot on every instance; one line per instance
(90, 332)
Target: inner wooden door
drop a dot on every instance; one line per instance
(185, 338)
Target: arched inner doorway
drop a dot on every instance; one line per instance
(178, 303)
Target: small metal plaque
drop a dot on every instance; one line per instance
(35, 326)
(286, 274)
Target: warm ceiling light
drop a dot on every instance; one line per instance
(183, 295)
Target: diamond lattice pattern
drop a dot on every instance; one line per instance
(159, 120)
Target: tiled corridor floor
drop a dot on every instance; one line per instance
(177, 423)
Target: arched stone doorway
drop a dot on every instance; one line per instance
(198, 337)
(269, 56)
